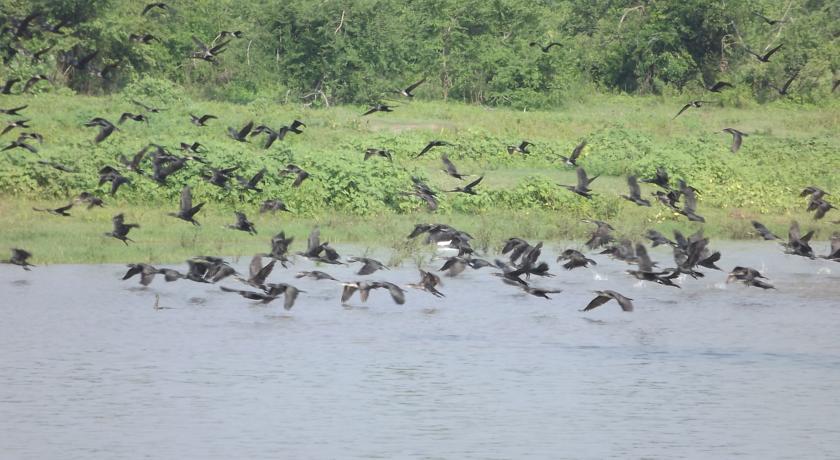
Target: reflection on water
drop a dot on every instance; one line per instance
(89, 369)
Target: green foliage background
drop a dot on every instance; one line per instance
(355, 51)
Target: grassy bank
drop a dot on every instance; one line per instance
(363, 202)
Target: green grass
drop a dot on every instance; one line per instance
(363, 203)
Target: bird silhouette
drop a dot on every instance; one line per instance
(106, 128)
(601, 236)
(378, 152)
(369, 265)
(766, 56)
(571, 160)
(407, 90)
(783, 91)
(545, 48)
(187, 211)
(737, 138)
(428, 282)
(20, 257)
(364, 288)
(431, 145)
(242, 134)
(694, 104)
(521, 148)
(121, 229)
(379, 107)
(469, 189)
(605, 296)
(748, 276)
(450, 169)
(582, 186)
(202, 120)
(208, 53)
(719, 86)
(62, 211)
(574, 259)
(273, 206)
(297, 171)
(243, 224)
(763, 231)
(635, 195)
(110, 174)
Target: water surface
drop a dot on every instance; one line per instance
(88, 369)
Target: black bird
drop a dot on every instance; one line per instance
(147, 273)
(623, 251)
(572, 159)
(814, 191)
(763, 231)
(690, 207)
(242, 134)
(89, 198)
(132, 116)
(469, 188)
(521, 148)
(737, 138)
(280, 133)
(695, 104)
(431, 145)
(582, 187)
(379, 107)
(110, 174)
(635, 195)
(299, 173)
(133, 164)
(20, 257)
(407, 91)
(378, 152)
(766, 56)
(272, 292)
(257, 273)
(601, 236)
(14, 111)
(646, 273)
(195, 147)
(769, 21)
(545, 48)
(225, 34)
(33, 80)
(315, 249)
(539, 292)
(164, 166)
(279, 248)
(669, 199)
(106, 128)
(820, 206)
(14, 124)
(202, 120)
(58, 166)
(159, 5)
(121, 229)
(273, 206)
(454, 266)
(575, 259)
(144, 38)
(243, 224)
(62, 211)
(658, 239)
(19, 144)
(7, 87)
(208, 53)
(450, 169)
(748, 276)
(719, 86)
(368, 265)
(834, 254)
(251, 184)
(187, 211)
(607, 295)
(364, 288)
(428, 282)
(660, 178)
(316, 275)
(783, 91)
(145, 107)
(219, 177)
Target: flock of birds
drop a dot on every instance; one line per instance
(692, 254)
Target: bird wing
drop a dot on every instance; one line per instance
(450, 167)
(415, 85)
(790, 80)
(347, 292)
(624, 302)
(772, 51)
(371, 110)
(245, 130)
(582, 180)
(291, 294)
(301, 176)
(257, 178)
(633, 184)
(314, 240)
(474, 183)
(690, 200)
(645, 263)
(260, 276)
(104, 132)
(577, 151)
(206, 117)
(720, 85)
(597, 302)
(737, 138)
(685, 107)
(396, 292)
(186, 199)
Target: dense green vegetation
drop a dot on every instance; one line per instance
(330, 52)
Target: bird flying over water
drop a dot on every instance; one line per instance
(19, 257)
(605, 296)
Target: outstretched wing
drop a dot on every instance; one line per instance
(597, 302)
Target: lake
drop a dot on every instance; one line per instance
(89, 370)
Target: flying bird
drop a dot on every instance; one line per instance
(431, 145)
(121, 229)
(407, 91)
(469, 189)
(379, 107)
(635, 195)
(572, 159)
(783, 91)
(545, 48)
(243, 224)
(521, 148)
(62, 211)
(187, 211)
(694, 104)
(106, 128)
(379, 153)
(607, 295)
(719, 86)
(157, 5)
(737, 138)
(763, 231)
(766, 56)
(242, 134)
(20, 257)
(202, 120)
(297, 171)
(450, 169)
(582, 186)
